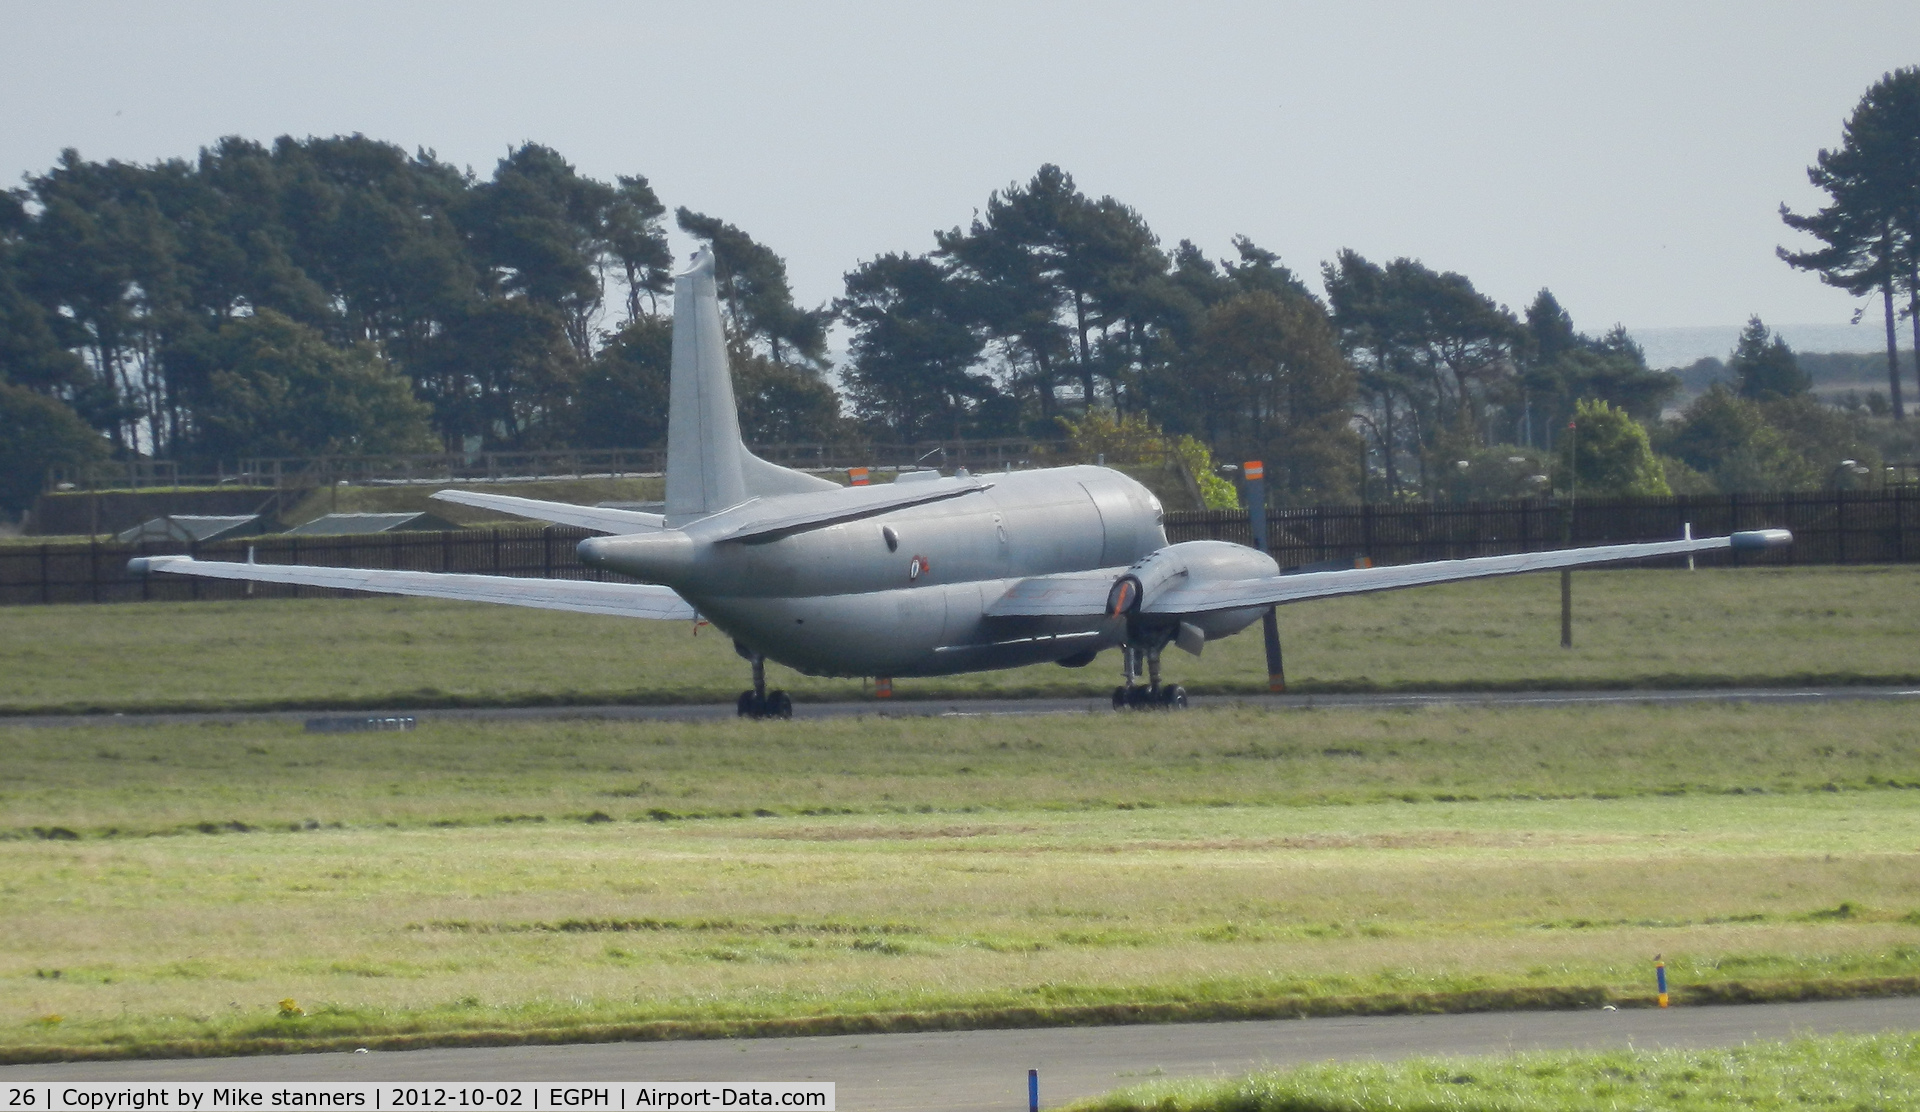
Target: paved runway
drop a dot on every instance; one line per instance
(938, 708)
(977, 1071)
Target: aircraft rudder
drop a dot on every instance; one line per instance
(705, 471)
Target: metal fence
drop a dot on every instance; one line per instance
(97, 572)
(1831, 528)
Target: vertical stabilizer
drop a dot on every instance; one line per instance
(704, 450)
(708, 465)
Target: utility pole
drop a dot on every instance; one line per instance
(1573, 488)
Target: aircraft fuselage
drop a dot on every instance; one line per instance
(905, 593)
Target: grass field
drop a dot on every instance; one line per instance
(167, 887)
(1879, 1072)
(1634, 628)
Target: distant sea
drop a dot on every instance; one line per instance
(1677, 347)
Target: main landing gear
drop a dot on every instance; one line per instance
(1151, 695)
(759, 702)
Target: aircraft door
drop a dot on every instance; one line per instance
(922, 619)
(1119, 535)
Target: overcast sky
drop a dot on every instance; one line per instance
(1630, 157)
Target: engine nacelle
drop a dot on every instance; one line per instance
(1200, 561)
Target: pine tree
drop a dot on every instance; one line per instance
(1870, 228)
(1766, 366)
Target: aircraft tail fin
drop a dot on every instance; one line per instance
(708, 465)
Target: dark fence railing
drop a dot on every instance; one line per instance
(1831, 528)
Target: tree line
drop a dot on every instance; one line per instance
(338, 295)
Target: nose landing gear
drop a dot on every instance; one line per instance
(1152, 695)
(759, 702)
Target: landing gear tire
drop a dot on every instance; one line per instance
(1120, 700)
(777, 704)
(1173, 697)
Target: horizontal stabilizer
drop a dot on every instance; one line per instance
(598, 518)
(758, 522)
(627, 600)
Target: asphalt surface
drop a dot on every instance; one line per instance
(949, 708)
(977, 1071)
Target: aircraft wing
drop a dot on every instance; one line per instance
(628, 600)
(597, 518)
(1202, 597)
(1079, 594)
(1070, 594)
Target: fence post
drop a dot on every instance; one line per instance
(93, 565)
(1256, 479)
(1566, 608)
(46, 587)
(1840, 525)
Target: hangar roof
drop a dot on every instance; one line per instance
(190, 527)
(342, 524)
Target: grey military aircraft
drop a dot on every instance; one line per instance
(929, 575)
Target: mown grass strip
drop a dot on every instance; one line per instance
(1634, 629)
(92, 781)
(1841, 1072)
(168, 885)
(716, 695)
(326, 1035)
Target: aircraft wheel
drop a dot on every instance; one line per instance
(779, 705)
(1173, 697)
(1140, 697)
(1120, 697)
(748, 706)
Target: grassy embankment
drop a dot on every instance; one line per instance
(163, 888)
(1876, 1072)
(418, 498)
(1634, 629)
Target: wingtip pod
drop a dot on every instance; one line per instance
(141, 565)
(1761, 538)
